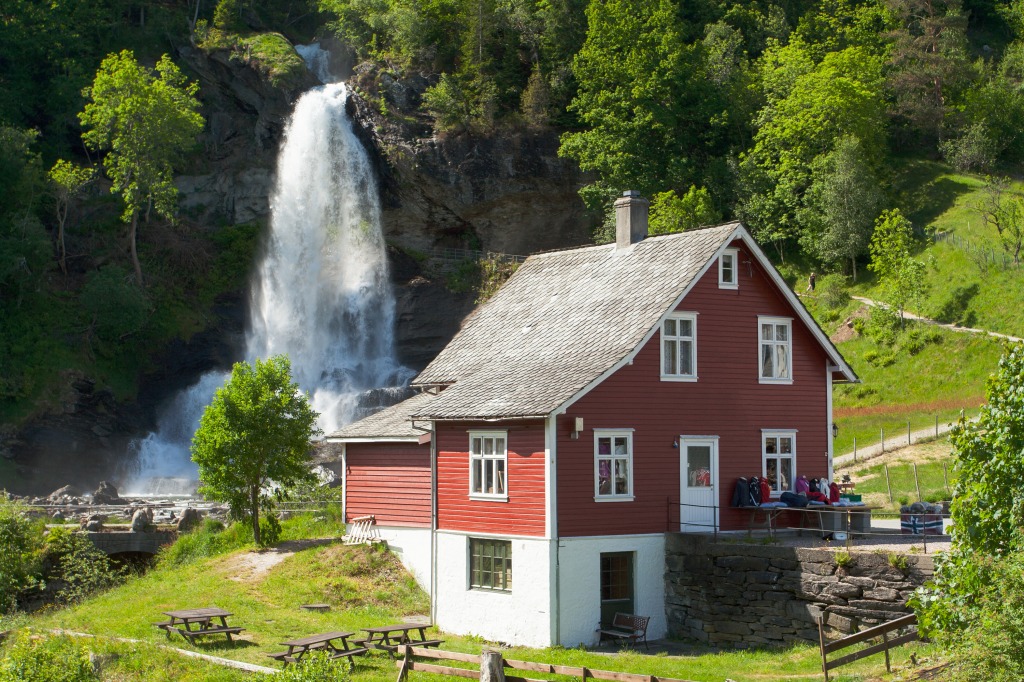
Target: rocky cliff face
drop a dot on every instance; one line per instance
(506, 193)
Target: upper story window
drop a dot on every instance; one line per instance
(779, 460)
(613, 465)
(488, 462)
(727, 264)
(490, 564)
(775, 363)
(679, 347)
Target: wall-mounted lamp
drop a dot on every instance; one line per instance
(675, 444)
(577, 427)
(835, 430)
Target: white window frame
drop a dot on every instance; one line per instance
(610, 458)
(678, 339)
(778, 455)
(734, 256)
(776, 322)
(498, 462)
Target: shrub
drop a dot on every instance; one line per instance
(316, 667)
(974, 150)
(35, 658)
(899, 561)
(77, 565)
(19, 552)
(883, 325)
(449, 103)
(831, 290)
(843, 559)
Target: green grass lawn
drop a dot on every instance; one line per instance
(365, 587)
(943, 378)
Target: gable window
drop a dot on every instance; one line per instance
(727, 263)
(490, 564)
(679, 347)
(775, 362)
(488, 460)
(778, 456)
(613, 465)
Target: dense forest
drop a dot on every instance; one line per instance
(796, 116)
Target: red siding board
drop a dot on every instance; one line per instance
(727, 401)
(390, 481)
(523, 513)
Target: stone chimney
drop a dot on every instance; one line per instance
(631, 211)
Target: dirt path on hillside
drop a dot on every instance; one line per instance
(254, 564)
(951, 327)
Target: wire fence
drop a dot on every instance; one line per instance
(984, 254)
(445, 259)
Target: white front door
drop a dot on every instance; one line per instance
(698, 511)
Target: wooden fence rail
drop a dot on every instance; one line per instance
(882, 631)
(407, 664)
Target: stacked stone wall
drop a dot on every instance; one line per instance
(743, 594)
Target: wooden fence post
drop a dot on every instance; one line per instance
(821, 645)
(855, 449)
(945, 477)
(936, 426)
(492, 666)
(908, 432)
(881, 433)
(888, 486)
(917, 482)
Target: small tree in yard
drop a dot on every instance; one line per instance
(255, 432)
(1003, 209)
(900, 274)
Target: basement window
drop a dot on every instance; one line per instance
(490, 565)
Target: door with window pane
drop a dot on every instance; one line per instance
(699, 484)
(616, 585)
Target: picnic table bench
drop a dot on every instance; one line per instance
(335, 644)
(390, 637)
(192, 623)
(628, 627)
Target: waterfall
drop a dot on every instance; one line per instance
(321, 293)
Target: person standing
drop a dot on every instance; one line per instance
(810, 282)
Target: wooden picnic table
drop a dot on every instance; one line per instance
(390, 637)
(192, 623)
(335, 644)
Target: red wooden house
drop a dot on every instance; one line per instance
(605, 396)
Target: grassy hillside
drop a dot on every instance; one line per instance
(365, 586)
(934, 473)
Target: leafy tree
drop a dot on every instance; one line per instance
(671, 213)
(24, 246)
(988, 505)
(255, 433)
(928, 62)
(809, 108)
(144, 123)
(20, 540)
(68, 181)
(638, 97)
(973, 150)
(840, 205)
(901, 275)
(1003, 209)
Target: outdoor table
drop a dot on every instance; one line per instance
(335, 644)
(192, 623)
(390, 637)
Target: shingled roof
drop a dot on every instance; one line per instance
(561, 321)
(390, 424)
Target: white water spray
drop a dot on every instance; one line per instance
(321, 294)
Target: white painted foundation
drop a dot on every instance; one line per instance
(521, 616)
(412, 546)
(580, 584)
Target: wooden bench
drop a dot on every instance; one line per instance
(628, 627)
(226, 631)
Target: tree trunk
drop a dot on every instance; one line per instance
(61, 252)
(254, 507)
(853, 268)
(135, 254)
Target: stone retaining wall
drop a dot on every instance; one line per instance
(738, 595)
